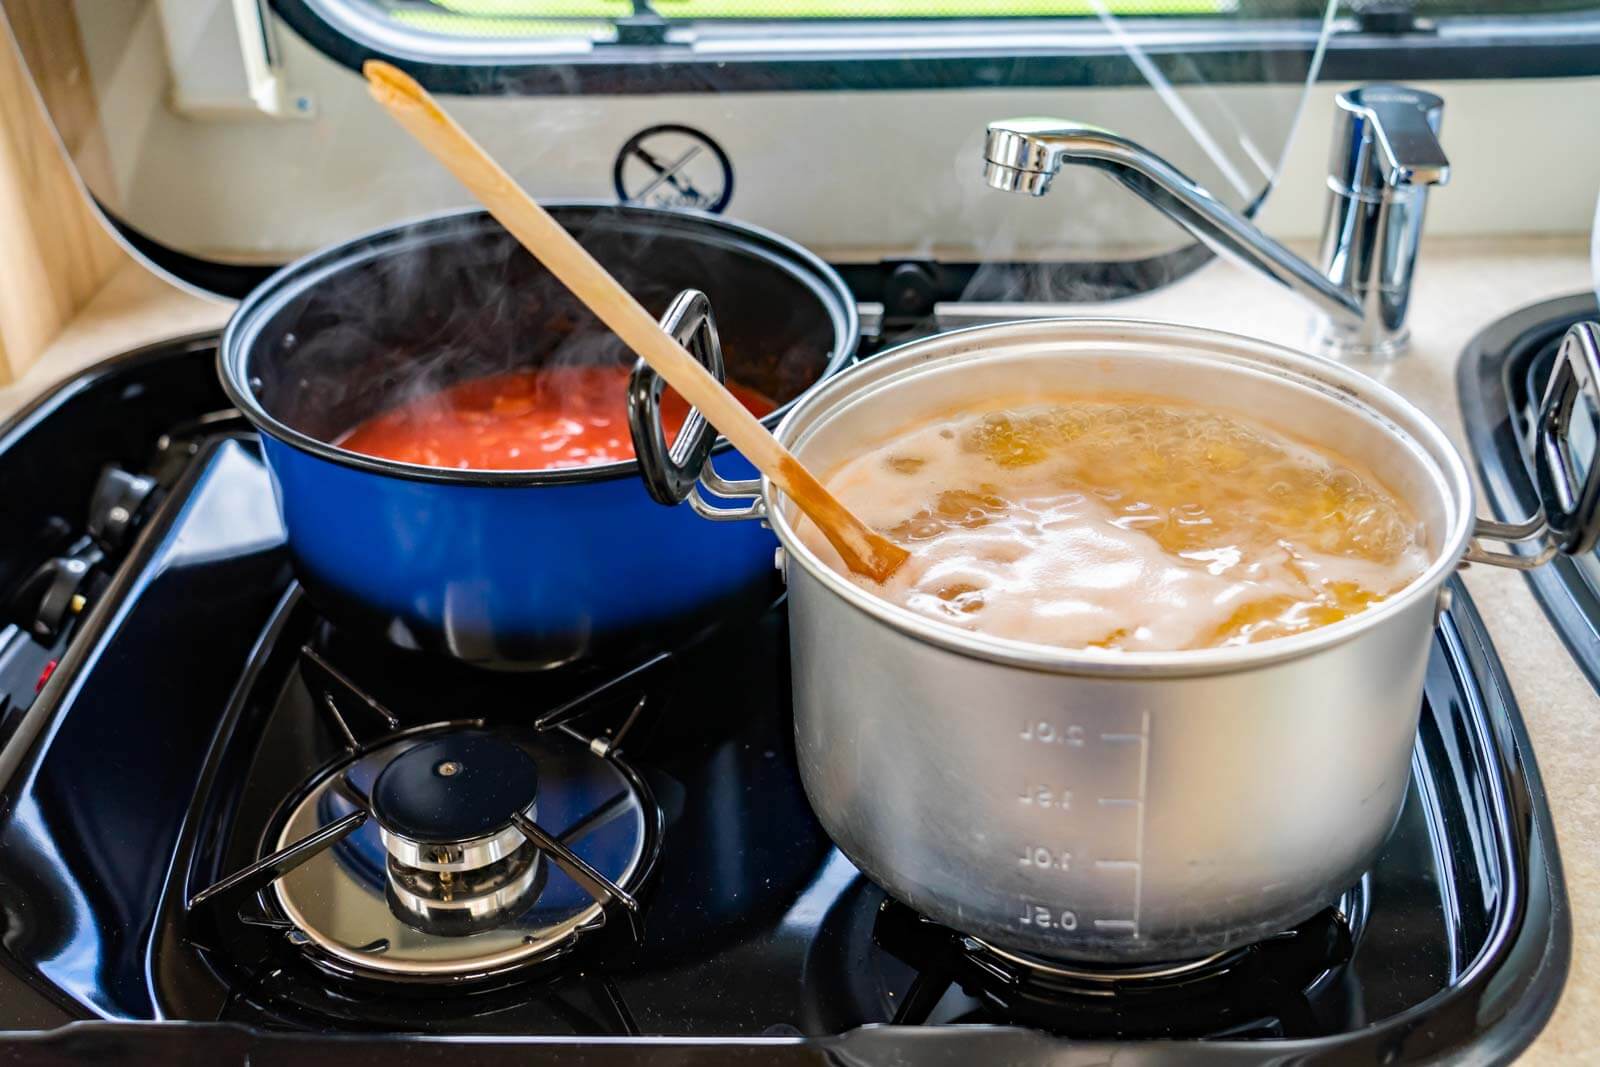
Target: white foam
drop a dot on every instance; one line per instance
(1061, 566)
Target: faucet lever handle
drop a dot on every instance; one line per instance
(1388, 137)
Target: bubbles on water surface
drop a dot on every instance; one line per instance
(1195, 478)
(1294, 537)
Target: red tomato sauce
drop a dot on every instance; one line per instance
(523, 420)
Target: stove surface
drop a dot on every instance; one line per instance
(185, 732)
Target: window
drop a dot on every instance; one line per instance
(857, 136)
(540, 18)
(537, 18)
(641, 46)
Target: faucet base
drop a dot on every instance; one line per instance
(1331, 342)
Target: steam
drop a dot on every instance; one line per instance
(434, 303)
(452, 299)
(1015, 266)
(1174, 103)
(1594, 251)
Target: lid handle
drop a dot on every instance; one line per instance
(1565, 455)
(1565, 460)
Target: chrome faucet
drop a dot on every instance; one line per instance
(1385, 156)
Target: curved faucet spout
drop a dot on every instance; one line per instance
(1022, 155)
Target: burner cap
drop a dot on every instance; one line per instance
(455, 788)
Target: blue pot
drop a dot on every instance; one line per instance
(513, 568)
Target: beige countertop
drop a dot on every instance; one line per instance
(1461, 287)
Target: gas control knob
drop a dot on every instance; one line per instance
(117, 506)
(910, 292)
(59, 590)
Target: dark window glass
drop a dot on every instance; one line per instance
(596, 18)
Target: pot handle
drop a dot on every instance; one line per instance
(670, 472)
(673, 475)
(1567, 479)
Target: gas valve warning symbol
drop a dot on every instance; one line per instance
(673, 166)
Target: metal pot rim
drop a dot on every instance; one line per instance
(1334, 380)
(257, 308)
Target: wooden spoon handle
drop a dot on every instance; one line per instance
(864, 551)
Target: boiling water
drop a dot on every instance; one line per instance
(1126, 523)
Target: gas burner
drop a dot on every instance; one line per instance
(388, 900)
(457, 863)
(457, 903)
(424, 854)
(444, 808)
(1041, 969)
(1264, 989)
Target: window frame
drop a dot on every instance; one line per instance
(842, 55)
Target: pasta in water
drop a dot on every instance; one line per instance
(1132, 523)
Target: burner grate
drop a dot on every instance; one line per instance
(1269, 988)
(424, 854)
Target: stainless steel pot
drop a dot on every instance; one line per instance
(1127, 807)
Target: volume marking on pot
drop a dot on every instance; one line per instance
(1134, 865)
(1047, 918)
(1046, 859)
(1043, 796)
(1046, 733)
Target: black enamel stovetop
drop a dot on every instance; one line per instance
(178, 715)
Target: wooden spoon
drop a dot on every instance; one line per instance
(864, 550)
